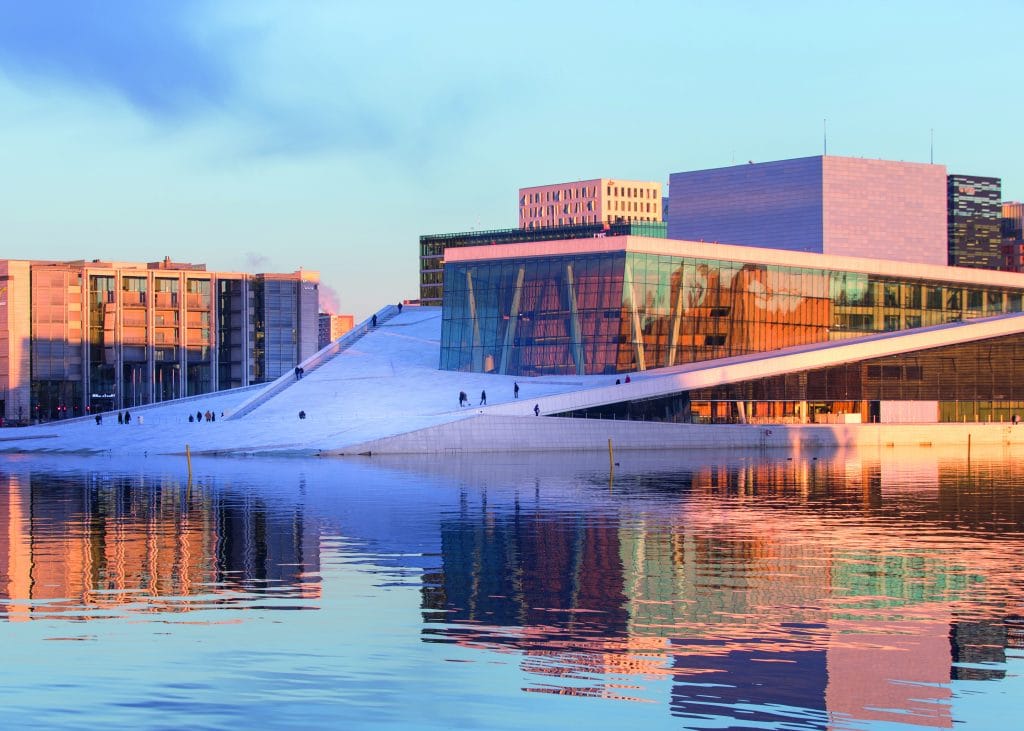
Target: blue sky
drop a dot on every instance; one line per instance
(265, 136)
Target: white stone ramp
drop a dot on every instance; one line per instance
(385, 384)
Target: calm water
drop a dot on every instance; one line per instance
(822, 591)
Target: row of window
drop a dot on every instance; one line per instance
(576, 193)
(554, 196)
(618, 192)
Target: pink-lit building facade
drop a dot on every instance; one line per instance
(333, 327)
(823, 204)
(81, 337)
(1013, 236)
(602, 200)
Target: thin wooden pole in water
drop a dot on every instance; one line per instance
(611, 463)
(188, 460)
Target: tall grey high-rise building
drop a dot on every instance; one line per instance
(974, 211)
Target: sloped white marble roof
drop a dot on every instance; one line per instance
(388, 383)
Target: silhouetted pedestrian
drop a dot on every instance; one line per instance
(373, 320)
(399, 308)
(618, 382)
(515, 390)
(199, 416)
(536, 409)
(297, 375)
(463, 399)
(127, 417)
(213, 416)
(120, 418)
(627, 379)
(302, 414)
(99, 419)
(191, 419)
(483, 398)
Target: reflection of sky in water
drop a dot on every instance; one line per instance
(833, 590)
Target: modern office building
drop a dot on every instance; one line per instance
(602, 200)
(433, 246)
(333, 327)
(622, 305)
(974, 209)
(1012, 234)
(81, 337)
(824, 204)
(1012, 219)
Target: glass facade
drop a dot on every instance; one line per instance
(97, 336)
(432, 247)
(974, 209)
(233, 332)
(978, 381)
(102, 339)
(618, 312)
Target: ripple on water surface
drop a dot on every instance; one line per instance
(832, 590)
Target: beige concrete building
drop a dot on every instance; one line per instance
(81, 337)
(333, 327)
(602, 200)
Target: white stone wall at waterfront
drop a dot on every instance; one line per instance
(489, 433)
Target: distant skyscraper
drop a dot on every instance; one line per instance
(602, 200)
(823, 204)
(974, 208)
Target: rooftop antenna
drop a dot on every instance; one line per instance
(824, 136)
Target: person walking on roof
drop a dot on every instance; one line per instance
(515, 389)
(483, 398)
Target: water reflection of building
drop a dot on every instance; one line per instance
(69, 546)
(803, 591)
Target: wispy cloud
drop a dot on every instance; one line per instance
(329, 299)
(150, 53)
(284, 84)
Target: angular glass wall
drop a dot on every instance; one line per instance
(533, 316)
(618, 312)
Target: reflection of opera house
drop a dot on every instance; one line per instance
(804, 336)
